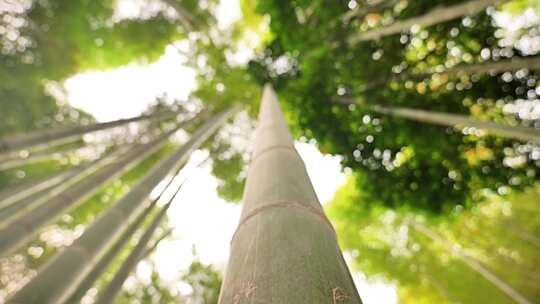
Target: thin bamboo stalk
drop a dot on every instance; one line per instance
(109, 294)
(21, 228)
(454, 120)
(436, 16)
(104, 262)
(16, 192)
(17, 161)
(460, 121)
(50, 136)
(40, 148)
(473, 264)
(495, 67)
(150, 249)
(488, 67)
(42, 199)
(47, 188)
(57, 280)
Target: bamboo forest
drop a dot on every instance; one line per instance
(270, 151)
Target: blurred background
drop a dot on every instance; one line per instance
(428, 207)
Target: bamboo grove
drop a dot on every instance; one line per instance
(433, 113)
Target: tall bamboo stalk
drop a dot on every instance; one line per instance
(57, 280)
(35, 157)
(435, 16)
(14, 207)
(104, 262)
(109, 294)
(150, 249)
(506, 65)
(454, 120)
(493, 67)
(473, 264)
(284, 249)
(19, 191)
(50, 136)
(22, 227)
(40, 148)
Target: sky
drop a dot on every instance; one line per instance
(202, 221)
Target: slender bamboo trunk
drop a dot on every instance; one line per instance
(50, 146)
(432, 17)
(104, 262)
(509, 226)
(473, 264)
(24, 225)
(15, 208)
(50, 136)
(491, 249)
(494, 67)
(150, 249)
(109, 294)
(284, 249)
(55, 282)
(513, 64)
(19, 191)
(454, 120)
(35, 157)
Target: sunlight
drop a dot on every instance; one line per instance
(127, 91)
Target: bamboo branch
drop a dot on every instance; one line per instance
(50, 136)
(453, 120)
(473, 264)
(436, 16)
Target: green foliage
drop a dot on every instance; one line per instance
(446, 168)
(385, 246)
(204, 281)
(228, 172)
(156, 292)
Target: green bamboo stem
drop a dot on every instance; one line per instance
(35, 157)
(435, 16)
(105, 261)
(56, 281)
(63, 181)
(109, 294)
(473, 264)
(453, 120)
(487, 67)
(495, 67)
(460, 121)
(19, 191)
(15, 208)
(22, 228)
(284, 249)
(50, 136)
(150, 249)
